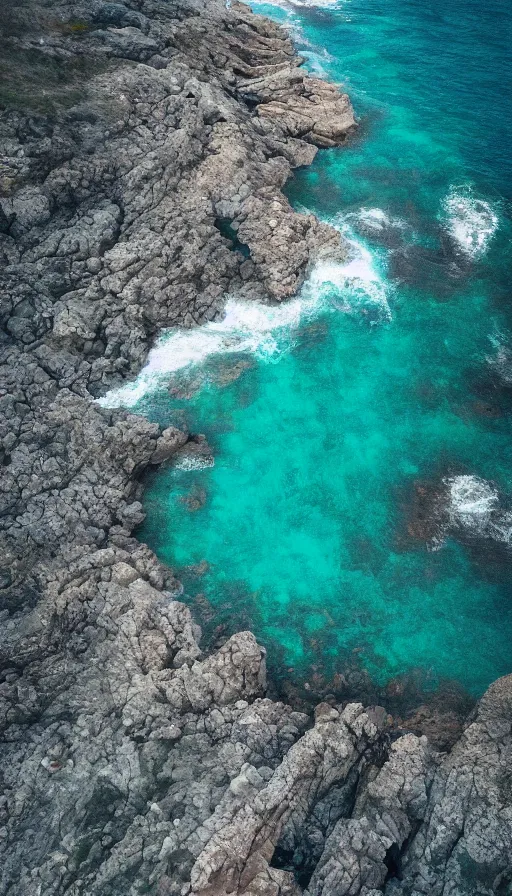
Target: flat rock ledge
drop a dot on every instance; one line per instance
(144, 145)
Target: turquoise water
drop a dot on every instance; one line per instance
(358, 510)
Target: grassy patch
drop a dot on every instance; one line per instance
(36, 78)
(32, 80)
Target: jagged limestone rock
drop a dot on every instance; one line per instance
(131, 763)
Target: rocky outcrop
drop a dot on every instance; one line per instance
(464, 845)
(112, 210)
(360, 851)
(144, 147)
(243, 839)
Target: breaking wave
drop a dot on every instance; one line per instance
(470, 222)
(320, 4)
(266, 331)
(355, 286)
(247, 327)
(359, 285)
(193, 462)
(314, 63)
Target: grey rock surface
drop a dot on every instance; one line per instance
(131, 763)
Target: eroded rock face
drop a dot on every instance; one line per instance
(110, 209)
(131, 763)
(360, 851)
(242, 843)
(465, 843)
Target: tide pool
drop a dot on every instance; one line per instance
(359, 507)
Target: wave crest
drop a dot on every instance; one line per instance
(192, 462)
(376, 220)
(320, 4)
(247, 327)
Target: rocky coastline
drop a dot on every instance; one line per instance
(144, 145)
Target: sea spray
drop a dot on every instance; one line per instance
(247, 327)
(471, 500)
(300, 4)
(189, 463)
(360, 286)
(353, 287)
(377, 219)
(288, 14)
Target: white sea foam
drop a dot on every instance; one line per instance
(471, 222)
(377, 219)
(316, 57)
(320, 4)
(355, 286)
(249, 327)
(358, 283)
(188, 462)
(266, 331)
(471, 498)
(314, 63)
(474, 504)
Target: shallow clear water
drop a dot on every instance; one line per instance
(342, 424)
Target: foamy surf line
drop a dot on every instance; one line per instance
(299, 4)
(247, 327)
(376, 219)
(266, 331)
(361, 286)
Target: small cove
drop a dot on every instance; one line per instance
(359, 508)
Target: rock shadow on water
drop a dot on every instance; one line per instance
(218, 372)
(195, 499)
(238, 610)
(491, 388)
(195, 454)
(380, 227)
(422, 516)
(480, 396)
(312, 335)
